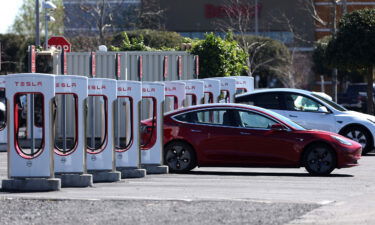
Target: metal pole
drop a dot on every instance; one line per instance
(256, 18)
(64, 122)
(46, 26)
(37, 37)
(345, 7)
(334, 70)
(32, 124)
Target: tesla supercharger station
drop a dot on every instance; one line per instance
(211, 90)
(30, 160)
(175, 94)
(3, 116)
(152, 143)
(100, 136)
(127, 142)
(244, 84)
(69, 123)
(194, 92)
(227, 89)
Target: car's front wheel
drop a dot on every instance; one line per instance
(319, 160)
(360, 135)
(179, 157)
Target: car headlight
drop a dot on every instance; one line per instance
(341, 140)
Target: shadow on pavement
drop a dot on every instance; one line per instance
(221, 173)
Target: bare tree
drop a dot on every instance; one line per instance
(151, 15)
(102, 16)
(238, 16)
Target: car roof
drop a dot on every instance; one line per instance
(213, 105)
(276, 90)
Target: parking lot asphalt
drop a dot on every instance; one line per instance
(345, 197)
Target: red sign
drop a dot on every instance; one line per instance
(93, 64)
(165, 74)
(32, 59)
(64, 63)
(140, 69)
(59, 42)
(197, 65)
(179, 66)
(118, 65)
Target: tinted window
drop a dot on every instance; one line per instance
(255, 120)
(216, 116)
(269, 100)
(296, 102)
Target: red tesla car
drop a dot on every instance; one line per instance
(235, 135)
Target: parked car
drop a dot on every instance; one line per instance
(312, 111)
(355, 97)
(236, 135)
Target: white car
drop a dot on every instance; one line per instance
(313, 111)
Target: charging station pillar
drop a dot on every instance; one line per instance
(30, 160)
(211, 90)
(100, 138)
(194, 92)
(244, 84)
(70, 147)
(152, 151)
(175, 94)
(127, 142)
(227, 89)
(3, 116)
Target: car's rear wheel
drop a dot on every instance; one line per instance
(360, 135)
(319, 160)
(180, 157)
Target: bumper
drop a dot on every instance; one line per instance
(349, 158)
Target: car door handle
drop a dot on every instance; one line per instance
(245, 133)
(293, 116)
(196, 131)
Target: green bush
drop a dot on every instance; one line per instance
(160, 40)
(219, 57)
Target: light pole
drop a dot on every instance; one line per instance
(256, 28)
(37, 37)
(334, 30)
(47, 5)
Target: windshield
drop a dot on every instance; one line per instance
(331, 103)
(285, 120)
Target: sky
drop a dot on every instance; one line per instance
(8, 12)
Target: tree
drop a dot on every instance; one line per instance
(353, 47)
(219, 57)
(103, 16)
(153, 38)
(151, 15)
(14, 53)
(24, 24)
(268, 57)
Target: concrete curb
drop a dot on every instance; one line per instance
(31, 185)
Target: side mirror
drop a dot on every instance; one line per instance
(278, 127)
(323, 109)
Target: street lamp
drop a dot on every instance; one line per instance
(47, 5)
(334, 30)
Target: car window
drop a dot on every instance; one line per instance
(269, 100)
(255, 120)
(296, 102)
(226, 117)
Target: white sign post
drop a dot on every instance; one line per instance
(152, 151)
(127, 145)
(70, 145)
(30, 160)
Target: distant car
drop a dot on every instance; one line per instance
(315, 112)
(235, 135)
(355, 97)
